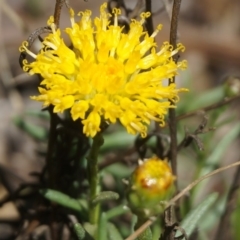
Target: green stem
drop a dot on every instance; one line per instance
(93, 177)
(50, 161)
(147, 233)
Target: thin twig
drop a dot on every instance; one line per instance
(208, 108)
(193, 184)
(57, 11)
(174, 25)
(139, 7)
(172, 112)
(149, 21)
(149, 222)
(190, 137)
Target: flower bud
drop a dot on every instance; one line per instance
(151, 182)
(232, 86)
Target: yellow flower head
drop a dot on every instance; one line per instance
(105, 74)
(151, 182)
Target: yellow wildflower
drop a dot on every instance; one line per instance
(106, 75)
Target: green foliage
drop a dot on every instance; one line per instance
(235, 218)
(105, 196)
(62, 199)
(146, 235)
(113, 232)
(119, 140)
(79, 230)
(36, 132)
(190, 222)
(212, 160)
(81, 233)
(39, 114)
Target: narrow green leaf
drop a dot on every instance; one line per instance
(146, 235)
(62, 199)
(91, 230)
(215, 157)
(118, 140)
(235, 218)
(79, 230)
(102, 228)
(39, 133)
(133, 222)
(113, 233)
(39, 114)
(192, 219)
(221, 147)
(214, 214)
(157, 229)
(119, 170)
(116, 211)
(81, 233)
(208, 98)
(106, 195)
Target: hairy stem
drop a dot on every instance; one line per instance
(93, 177)
(57, 11)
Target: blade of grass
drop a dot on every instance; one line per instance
(191, 221)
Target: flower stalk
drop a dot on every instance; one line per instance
(147, 234)
(172, 112)
(93, 177)
(51, 166)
